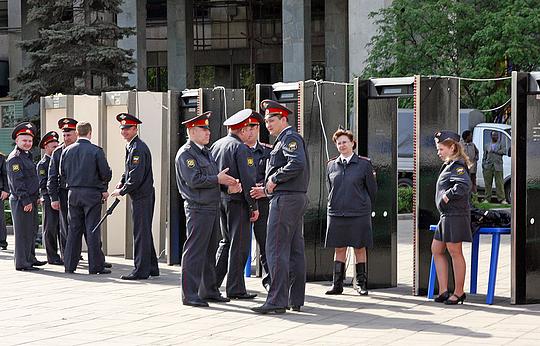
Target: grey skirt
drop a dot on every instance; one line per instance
(344, 231)
(454, 229)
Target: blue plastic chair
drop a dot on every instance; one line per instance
(495, 246)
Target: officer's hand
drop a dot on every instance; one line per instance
(39, 201)
(235, 188)
(225, 179)
(4, 195)
(104, 196)
(28, 208)
(257, 192)
(254, 216)
(116, 192)
(445, 198)
(55, 205)
(270, 186)
(118, 186)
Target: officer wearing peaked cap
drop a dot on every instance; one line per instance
(237, 209)
(198, 180)
(24, 187)
(56, 185)
(51, 217)
(138, 182)
(287, 179)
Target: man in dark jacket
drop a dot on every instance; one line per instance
(138, 182)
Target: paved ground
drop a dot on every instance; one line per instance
(50, 307)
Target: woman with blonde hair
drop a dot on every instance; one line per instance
(452, 198)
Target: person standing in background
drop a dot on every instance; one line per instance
(471, 151)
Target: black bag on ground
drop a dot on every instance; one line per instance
(489, 218)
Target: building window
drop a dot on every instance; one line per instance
(156, 72)
(156, 10)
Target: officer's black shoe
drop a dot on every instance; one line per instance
(266, 309)
(39, 263)
(57, 263)
(199, 303)
(339, 276)
(243, 296)
(294, 308)
(107, 265)
(267, 286)
(361, 279)
(3, 246)
(154, 273)
(67, 271)
(132, 277)
(217, 299)
(27, 269)
(102, 271)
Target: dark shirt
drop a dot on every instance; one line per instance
(83, 165)
(22, 178)
(261, 154)
(137, 179)
(196, 177)
(54, 180)
(43, 174)
(230, 152)
(288, 165)
(351, 187)
(454, 181)
(3, 174)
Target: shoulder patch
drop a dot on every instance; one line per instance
(292, 146)
(190, 163)
(15, 167)
(250, 161)
(135, 160)
(460, 171)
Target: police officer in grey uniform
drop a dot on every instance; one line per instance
(492, 167)
(237, 209)
(261, 154)
(48, 142)
(4, 194)
(198, 180)
(287, 180)
(87, 174)
(24, 187)
(138, 182)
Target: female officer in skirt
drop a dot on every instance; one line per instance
(452, 198)
(351, 195)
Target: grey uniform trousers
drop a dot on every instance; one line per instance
(84, 214)
(285, 250)
(25, 226)
(50, 230)
(145, 259)
(234, 246)
(198, 265)
(63, 221)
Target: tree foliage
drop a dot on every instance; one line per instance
(75, 50)
(467, 38)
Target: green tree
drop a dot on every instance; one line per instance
(467, 38)
(75, 50)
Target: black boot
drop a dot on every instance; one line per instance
(361, 279)
(339, 276)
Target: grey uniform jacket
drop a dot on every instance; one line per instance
(43, 173)
(454, 181)
(351, 187)
(493, 158)
(3, 174)
(288, 165)
(83, 165)
(22, 177)
(54, 180)
(230, 152)
(196, 177)
(137, 179)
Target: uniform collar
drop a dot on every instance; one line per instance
(348, 159)
(201, 147)
(133, 140)
(282, 133)
(83, 139)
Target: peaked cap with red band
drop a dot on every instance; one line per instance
(24, 128)
(51, 136)
(271, 108)
(67, 124)
(127, 120)
(243, 118)
(200, 120)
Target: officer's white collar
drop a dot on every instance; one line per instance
(348, 159)
(288, 127)
(84, 138)
(198, 145)
(131, 141)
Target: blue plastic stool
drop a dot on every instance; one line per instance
(495, 245)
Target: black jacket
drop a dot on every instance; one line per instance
(54, 180)
(455, 183)
(137, 179)
(22, 178)
(43, 174)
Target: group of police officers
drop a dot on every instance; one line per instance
(236, 183)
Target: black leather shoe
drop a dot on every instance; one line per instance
(266, 309)
(39, 263)
(3, 247)
(217, 299)
(27, 269)
(57, 263)
(196, 303)
(107, 265)
(267, 286)
(154, 273)
(67, 271)
(442, 297)
(131, 277)
(243, 296)
(458, 300)
(294, 308)
(102, 271)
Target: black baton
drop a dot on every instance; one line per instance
(107, 213)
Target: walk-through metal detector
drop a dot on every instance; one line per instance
(525, 188)
(375, 127)
(436, 108)
(319, 108)
(185, 105)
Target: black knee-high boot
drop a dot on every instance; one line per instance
(339, 276)
(361, 279)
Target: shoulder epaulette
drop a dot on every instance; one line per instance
(364, 158)
(332, 159)
(269, 146)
